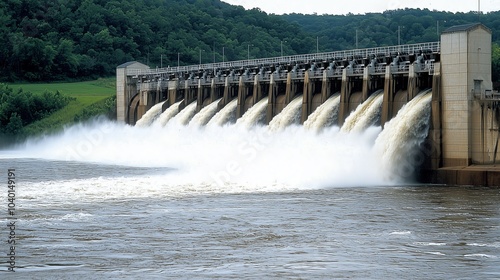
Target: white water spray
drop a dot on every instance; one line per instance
(205, 114)
(325, 115)
(289, 115)
(365, 115)
(398, 145)
(225, 115)
(166, 116)
(228, 159)
(184, 116)
(150, 116)
(255, 115)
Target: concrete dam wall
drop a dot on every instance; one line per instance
(447, 83)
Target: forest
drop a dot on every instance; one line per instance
(54, 40)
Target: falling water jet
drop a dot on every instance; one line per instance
(365, 115)
(289, 115)
(397, 145)
(150, 116)
(166, 116)
(225, 115)
(325, 115)
(255, 115)
(205, 114)
(184, 116)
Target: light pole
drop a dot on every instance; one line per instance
(223, 55)
(200, 56)
(248, 52)
(282, 47)
(317, 44)
(178, 59)
(399, 35)
(161, 60)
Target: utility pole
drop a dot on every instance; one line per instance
(357, 39)
(223, 58)
(399, 35)
(317, 44)
(178, 59)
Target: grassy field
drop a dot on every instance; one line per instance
(88, 96)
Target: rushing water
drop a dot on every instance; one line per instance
(325, 115)
(106, 200)
(150, 116)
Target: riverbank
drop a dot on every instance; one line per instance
(88, 99)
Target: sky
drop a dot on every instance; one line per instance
(363, 6)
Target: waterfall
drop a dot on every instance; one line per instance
(184, 116)
(325, 115)
(289, 115)
(225, 115)
(205, 114)
(398, 145)
(150, 116)
(365, 115)
(167, 115)
(256, 114)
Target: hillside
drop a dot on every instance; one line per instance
(57, 40)
(338, 32)
(85, 39)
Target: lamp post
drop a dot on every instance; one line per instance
(282, 47)
(223, 55)
(248, 52)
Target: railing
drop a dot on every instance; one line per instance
(432, 47)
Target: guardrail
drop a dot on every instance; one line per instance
(431, 47)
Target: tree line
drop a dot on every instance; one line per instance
(20, 108)
(82, 39)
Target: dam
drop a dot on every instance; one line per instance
(352, 89)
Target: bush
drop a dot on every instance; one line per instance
(18, 109)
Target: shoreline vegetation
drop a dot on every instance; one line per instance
(33, 109)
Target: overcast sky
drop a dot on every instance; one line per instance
(363, 6)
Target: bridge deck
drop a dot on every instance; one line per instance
(391, 51)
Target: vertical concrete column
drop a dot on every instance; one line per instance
(366, 83)
(271, 99)
(199, 96)
(257, 90)
(307, 97)
(325, 87)
(388, 96)
(412, 82)
(121, 93)
(290, 89)
(172, 92)
(435, 136)
(242, 91)
(345, 94)
(240, 106)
